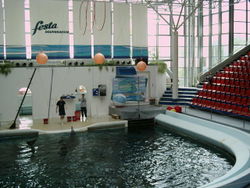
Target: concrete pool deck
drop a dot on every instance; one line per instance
(54, 125)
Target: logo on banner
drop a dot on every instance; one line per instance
(48, 28)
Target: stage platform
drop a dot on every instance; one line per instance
(136, 112)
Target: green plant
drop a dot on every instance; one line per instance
(162, 66)
(5, 67)
(100, 66)
(110, 63)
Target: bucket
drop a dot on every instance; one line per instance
(77, 115)
(152, 101)
(45, 121)
(74, 118)
(69, 118)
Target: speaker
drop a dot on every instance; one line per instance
(102, 89)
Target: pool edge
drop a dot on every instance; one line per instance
(227, 138)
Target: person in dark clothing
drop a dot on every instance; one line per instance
(60, 105)
(83, 106)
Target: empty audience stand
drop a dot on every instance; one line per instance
(228, 92)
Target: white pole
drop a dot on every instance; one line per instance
(175, 64)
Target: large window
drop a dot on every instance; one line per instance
(220, 29)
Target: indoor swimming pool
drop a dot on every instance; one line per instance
(125, 157)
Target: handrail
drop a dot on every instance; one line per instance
(224, 63)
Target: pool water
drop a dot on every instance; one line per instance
(151, 157)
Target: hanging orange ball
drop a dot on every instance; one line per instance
(99, 58)
(41, 58)
(141, 66)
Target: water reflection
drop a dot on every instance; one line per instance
(68, 143)
(113, 158)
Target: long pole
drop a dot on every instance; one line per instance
(51, 85)
(138, 98)
(175, 64)
(13, 126)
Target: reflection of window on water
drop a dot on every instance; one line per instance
(26, 108)
(22, 91)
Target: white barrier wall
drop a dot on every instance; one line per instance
(65, 81)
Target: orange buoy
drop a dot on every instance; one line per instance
(141, 66)
(41, 58)
(99, 58)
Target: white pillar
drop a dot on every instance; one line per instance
(175, 64)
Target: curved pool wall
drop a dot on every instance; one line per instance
(31, 133)
(230, 139)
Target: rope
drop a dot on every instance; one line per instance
(104, 16)
(86, 16)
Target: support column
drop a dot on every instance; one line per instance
(175, 64)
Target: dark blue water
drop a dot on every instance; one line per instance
(112, 158)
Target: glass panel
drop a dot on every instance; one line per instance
(70, 16)
(26, 4)
(205, 64)
(214, 61)
(215, 7)
(152, 51)
(181, 62)
(241, 5)
(224, 6)
(225, 17)
(28, 39)
(181, 41)
(215, 40)
(205, 30)
(239, 39)
(240, 15)
(70, 4)
(205, 41)
(151, 40)
(225, 28)
(225, 39)
(164, 41)
(205, 20)
(215, 29)
(205, 11)
(71, 39)
(215, 51)
(224, 51)
(181, 51)
(163, 29)
(161, 21)
(164, 52)
(71, 27)
(215, 18)
(27, 15)
(238, 47)
(27, 27)
(239, 27)
(205, 51)
(181, 30)
(152, 29)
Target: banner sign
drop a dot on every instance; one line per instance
(47, 28)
